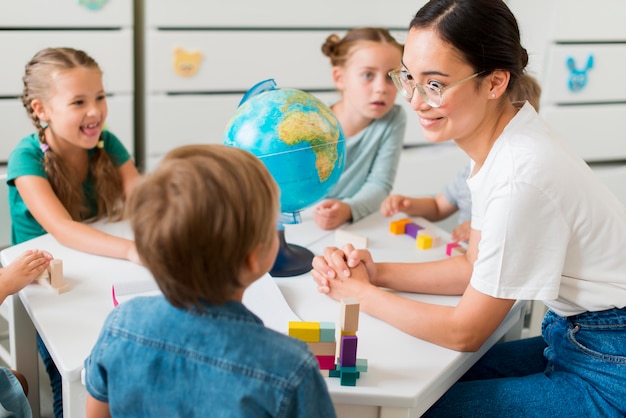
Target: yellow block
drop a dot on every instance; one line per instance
(305, 331)
(424, 242)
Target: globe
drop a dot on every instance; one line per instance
(301, 143)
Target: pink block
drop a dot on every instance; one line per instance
(326, 362)
(450, 246)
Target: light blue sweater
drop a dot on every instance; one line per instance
(371, 164)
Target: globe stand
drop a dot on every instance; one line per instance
(292, 260)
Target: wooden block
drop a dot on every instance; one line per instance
(347, 356)
(412, 229)
(326, 362)
(450, 246)
(398, 227)
(323, 348)
(305, 331)
(327, 332)
(52, 277)
(349, 315)
(436, 238)
(343, 237)
(424, 242)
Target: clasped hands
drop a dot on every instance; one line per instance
(343, 273)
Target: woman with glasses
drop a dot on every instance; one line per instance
(543, 228)
(371, 121)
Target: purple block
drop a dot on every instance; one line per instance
(347, 356)
(411, 229)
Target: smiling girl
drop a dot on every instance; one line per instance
(71, 170)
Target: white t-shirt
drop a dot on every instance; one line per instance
(550, 229)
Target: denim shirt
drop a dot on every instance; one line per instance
(152, 359)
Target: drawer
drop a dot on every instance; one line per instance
(229, 61)
(113, 50)
(597, 132)
(279, 13)
(16, 124)
(585, 73)
(580, 20)
(66, 13)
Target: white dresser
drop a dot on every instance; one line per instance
(200, 57)
(103, 28)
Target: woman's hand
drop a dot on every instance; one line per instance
(342, 263)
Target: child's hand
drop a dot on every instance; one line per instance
(462, 232)
(340, 278)
(23, 270)
(331, 214)
(393, 204)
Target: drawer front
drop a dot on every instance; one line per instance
(66, 13)
(223, 61)
(580, 20)
(280, 13)
(597, 133)
(585, 73)
(16, 124)
(113, 50)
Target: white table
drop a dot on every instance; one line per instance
(405, 375)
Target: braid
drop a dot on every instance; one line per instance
(108, 183)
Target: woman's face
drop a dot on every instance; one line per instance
(431, 61)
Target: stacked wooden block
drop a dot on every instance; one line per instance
(320, 337)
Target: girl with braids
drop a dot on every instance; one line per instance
(543, 227)
(70, 170)
(372, 123)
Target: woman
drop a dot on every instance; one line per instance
(543, 228)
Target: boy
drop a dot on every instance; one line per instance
(205, 226)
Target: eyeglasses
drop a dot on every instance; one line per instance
(431, 94)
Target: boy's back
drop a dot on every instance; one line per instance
(156, 360)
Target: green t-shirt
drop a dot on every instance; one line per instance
(27, 160)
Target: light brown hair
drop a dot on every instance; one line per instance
(38, 82)
(198, 216)
(526, 88)
(339, 49)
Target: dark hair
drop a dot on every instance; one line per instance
(198, 216)
(339, 49)
(38, 79)
(485, 32)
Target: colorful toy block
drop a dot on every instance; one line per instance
(52, 277)
(436, 238)
(305, 331)
(343, 237)
(454, 248)
(424, 242)
(320, 337)
(411, 229)
(327, 332)
(349, 315)
(398, 227)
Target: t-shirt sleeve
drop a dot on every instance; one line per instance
(25, 160)
(116, 150)
(513, 262)
(96, 380)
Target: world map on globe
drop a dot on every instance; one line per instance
(297, 137)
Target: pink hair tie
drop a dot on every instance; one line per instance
(44, 147)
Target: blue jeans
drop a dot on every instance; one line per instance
(578, 369)
(55, 378)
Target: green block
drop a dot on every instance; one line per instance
(327, 332)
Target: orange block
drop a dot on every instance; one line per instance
(397, 227)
